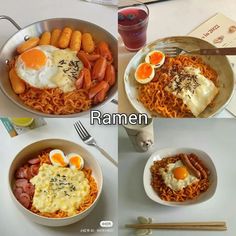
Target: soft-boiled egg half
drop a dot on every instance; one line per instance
(144, 73)
(58, 158)
(155, 58)
(46, 66)
(75, 161)
(176, 176)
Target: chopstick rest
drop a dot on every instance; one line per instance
(145, 226)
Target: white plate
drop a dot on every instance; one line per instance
(220, 63)
(162, 153)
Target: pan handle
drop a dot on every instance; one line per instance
(11, 20)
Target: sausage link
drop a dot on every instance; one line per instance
(87, 79)
(97, 88)
(99, 69)
(80, 80)
(45, 38)
(104, 51)
(100, 97)
(65, 37)
(198, 166)
(110, 75)
(83, 57)
(186, 161)
(18, 85)
(93, 57)
(55, 37)
(32, 42)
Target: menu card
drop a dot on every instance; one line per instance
(220, 31)
(15, 130)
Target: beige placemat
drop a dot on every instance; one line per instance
(220, 31)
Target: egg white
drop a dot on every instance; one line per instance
(172, 182)
(148, 79)
(57, 151)
(69, 156)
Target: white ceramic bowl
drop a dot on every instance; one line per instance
(66, 146)
(162, 153)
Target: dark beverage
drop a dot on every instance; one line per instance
(132, 26)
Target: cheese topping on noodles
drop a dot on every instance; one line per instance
(196, 91)
(59, 188)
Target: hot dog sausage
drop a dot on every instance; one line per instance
(55, 37)
(93, 57)
(32, 42)
(82, 56)
(97, 88)
(189, 165)
(99, 69)
(100, 97)
(110, 75)
(80, 80)
(18, 85)
(199, 167)
(75, 42)
(65, 37)
(87, 79)
(45, 38)
(104, 51)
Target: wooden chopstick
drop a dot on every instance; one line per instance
(214, 226)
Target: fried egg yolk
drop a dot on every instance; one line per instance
(34, 59)
(180, 172)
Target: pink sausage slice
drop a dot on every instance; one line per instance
(34, 161)
(34, 169)
(21, 182)
(24, 199)
(20, 173)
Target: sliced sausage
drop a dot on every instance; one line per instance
(99, 69)
(21, 183)
(193, 170)
(20, 173)
(97, 88)
(87, 79)
(34, 170)
(93, 57)
(17, 192)
(80, 80)
(100, 97)
(83, 57)
(34, 161)
(104, 50)
(29, 189)
(110, 75)
(24, 199)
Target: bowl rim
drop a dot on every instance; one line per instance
(149, 113)
(50, 218)
(176, 150)
(78, 114)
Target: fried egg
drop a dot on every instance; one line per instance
(46, 66)
(144, 73)
(58, 158)
(155, 58)
(75, 161)
(176, 176)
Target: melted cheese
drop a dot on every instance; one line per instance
(196, 91)
(59, 188)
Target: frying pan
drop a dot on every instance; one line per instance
(8, 51)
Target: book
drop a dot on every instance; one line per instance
(220, 31)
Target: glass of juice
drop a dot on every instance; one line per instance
(132, 25)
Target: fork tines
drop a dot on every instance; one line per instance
(82, 132)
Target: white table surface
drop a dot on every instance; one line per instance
(172, 18)
(13, 223)
(26, 12)
(214, 136)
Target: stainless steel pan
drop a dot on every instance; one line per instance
(8, 51)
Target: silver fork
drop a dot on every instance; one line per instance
(175, 51)
(89, 140)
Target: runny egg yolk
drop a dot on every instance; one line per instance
(58, 158)
(144, 71)
(34, 59)
(155, 58)
(180, 172)
(75, 161)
